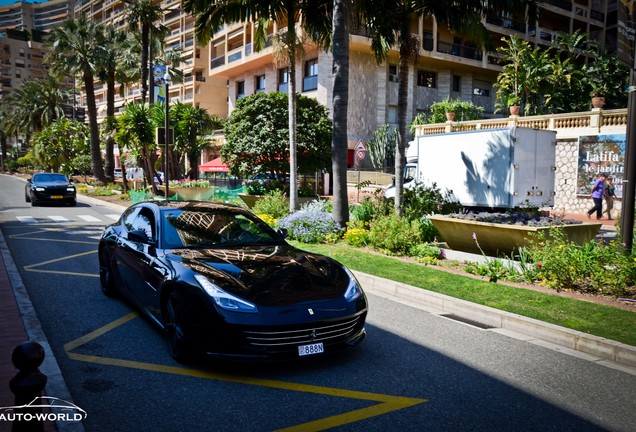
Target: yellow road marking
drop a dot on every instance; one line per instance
(386, 403)
(31, 267)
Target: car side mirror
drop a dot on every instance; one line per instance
(138, 236)
(282, 232)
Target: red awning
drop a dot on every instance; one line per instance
(215, 165)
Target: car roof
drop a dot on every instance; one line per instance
(165, 205)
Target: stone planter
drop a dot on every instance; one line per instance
(501, 239)
(189, 193)
(251, 200)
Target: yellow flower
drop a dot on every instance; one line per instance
(560, 246)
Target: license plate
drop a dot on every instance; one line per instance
(57, 196)
(305, 350)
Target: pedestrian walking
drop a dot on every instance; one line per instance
(609, 194)
(597, 196)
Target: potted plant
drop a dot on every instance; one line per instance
(598, 96)
(514, 104)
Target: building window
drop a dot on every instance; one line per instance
(283, 80)
(457, 83)
(310, 81)
(19, 63)
(21, 52)
(259, 83)
(18, 73)
(482, 88)
(391, 114)
(393, 73)
(240, 89)
(426, 79)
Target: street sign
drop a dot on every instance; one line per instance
(161, 136)
(360, 154)
(360, 146)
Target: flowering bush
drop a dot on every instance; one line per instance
(311, 224)
(189, 183)
(591, 267)
(267, 219)
(357, 235)
(529, 218)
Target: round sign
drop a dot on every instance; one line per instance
(360, 154)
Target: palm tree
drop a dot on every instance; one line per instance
(190, 122)
(114, 45)
(76, 47)
(388, 24)
(339, 144)
(135, 132)
(314, 16)
(34, 105)
(144, 14)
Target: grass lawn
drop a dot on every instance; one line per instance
(600, 320)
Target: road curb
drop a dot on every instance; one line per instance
(606, 349)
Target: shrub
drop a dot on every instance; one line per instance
(426, 253)
(311, 224)
(267, 219)
(356, 235)
(394, 235)
(591, 267)
(273, 203)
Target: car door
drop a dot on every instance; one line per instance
(140, 269)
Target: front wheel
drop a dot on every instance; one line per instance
(177, 325)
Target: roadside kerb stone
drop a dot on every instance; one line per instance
(439, 303)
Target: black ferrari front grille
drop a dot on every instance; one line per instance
(331, 331)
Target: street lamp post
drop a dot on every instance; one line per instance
(166, 176)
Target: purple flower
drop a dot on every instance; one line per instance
(474, 236)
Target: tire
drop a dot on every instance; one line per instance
(72, 203)
(177, 326)
(33, 203)
(27, 197)
(106, 280)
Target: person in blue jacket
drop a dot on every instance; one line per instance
(598, 190)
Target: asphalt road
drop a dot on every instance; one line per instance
(416, 370)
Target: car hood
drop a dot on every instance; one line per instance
(268, 275)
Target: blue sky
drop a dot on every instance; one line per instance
(5, 2)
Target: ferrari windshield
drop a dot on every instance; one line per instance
(211, 228)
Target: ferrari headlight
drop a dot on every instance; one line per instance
(70, 188)
(223, 299)
(353, 289)
(40, 189)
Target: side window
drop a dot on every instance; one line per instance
(145, 221)
(128, 217)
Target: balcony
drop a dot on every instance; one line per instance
(310, 83)
(566, 125)
(507, 23)
(459, 50)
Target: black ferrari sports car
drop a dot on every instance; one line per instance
(221, 282)
(50, 187)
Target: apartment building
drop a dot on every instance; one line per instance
(23, 27)
(198, 87)
(447, 65)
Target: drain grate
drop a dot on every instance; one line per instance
(468, 321)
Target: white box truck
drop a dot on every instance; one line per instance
(494, 168)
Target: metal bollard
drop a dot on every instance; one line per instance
(27, 386)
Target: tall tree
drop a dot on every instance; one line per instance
(312, 15)
(389, 25)
(340, 102)
(114, 45)
(76, 47)
(142, 16)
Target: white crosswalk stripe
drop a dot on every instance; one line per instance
(113, 216)
(27, 219)
(58, 218)
(89, 218)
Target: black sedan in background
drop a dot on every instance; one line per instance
(221, 282)
(50, 187)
